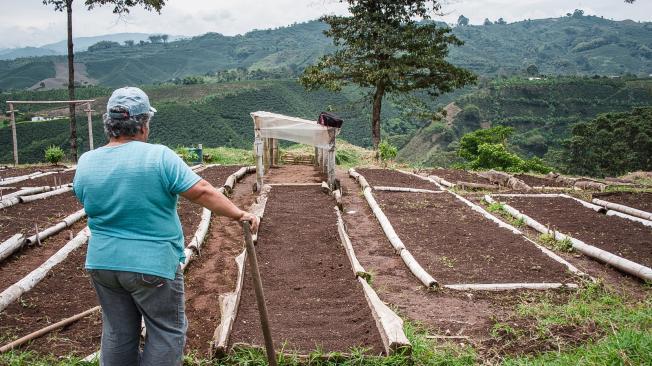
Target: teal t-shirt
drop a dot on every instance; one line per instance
(130, 195)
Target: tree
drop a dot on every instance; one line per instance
(129, 43)
(165, 37)
(532, 70)
(487, 21)
(384, 48)
(155, 38)
(501, 21)
(578, 13)
(462, 21)
(119, 7)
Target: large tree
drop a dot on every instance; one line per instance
(388, 46)
(119, 7)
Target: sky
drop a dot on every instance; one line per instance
(30, 23)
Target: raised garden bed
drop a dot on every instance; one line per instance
(51, 180)
(534, 181)
(393, 178)
(313, 298)
(458, 246)
(638, 200)
(454, 176)
(616, 235)
(17, 172)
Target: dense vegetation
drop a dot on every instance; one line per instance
(610, 145)
(542, 113)
(569, 45)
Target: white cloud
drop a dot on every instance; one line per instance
(29, 23)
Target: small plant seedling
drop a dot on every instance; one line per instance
(54, 154)
(496, 207)
(448, 262)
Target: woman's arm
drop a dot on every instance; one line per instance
(204, 194)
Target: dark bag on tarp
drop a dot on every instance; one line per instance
(329, 120)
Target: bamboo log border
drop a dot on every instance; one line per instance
(27, 191)
(621, 263)
(12, 180)
(358, 270)
(11, 245)
(40, 196)
(624, 209)
(235, 177)
(403, 189)
(513, 229)
(230, 302)
(13, 292)
(393, 238)
(510, 286)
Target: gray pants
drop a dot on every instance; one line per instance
(125, 297)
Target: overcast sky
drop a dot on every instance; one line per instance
(29, 23)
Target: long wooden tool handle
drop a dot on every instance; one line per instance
(47, 329)
(260, 297)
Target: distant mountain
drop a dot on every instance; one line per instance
(14, 53)
(563, 46)
(82, 43)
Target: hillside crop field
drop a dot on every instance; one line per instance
(500, 292)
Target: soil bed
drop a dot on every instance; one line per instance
(17, 172)
(21, 217)
(534, 181)
(638, 200)
(312, 296)
(51, 180)
(454, 176)
(215, 271)
(64, 292)
(619, 236)
(393, 178)
(457, 245)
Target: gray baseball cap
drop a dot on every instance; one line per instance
(134, 100)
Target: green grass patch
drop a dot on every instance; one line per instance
(228, 156)
(549, 240)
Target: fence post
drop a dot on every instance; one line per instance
(13, 132)
(90, 126)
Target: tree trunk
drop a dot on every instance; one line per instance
(71, 85)
(375, 115)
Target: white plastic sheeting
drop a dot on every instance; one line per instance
(278, 126)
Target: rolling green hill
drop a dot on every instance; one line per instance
(570, 45)
(541, 111)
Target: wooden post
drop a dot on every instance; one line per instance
(277, 153)
(13, 132)
(260, 296)
(316, 161)
(89, 115)
(260, 168)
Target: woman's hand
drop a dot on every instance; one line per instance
(252, 219)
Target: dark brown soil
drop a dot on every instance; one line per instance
(457, 245)
(533, 181)
(639, 200)
(454, 176)
(64, 292)
(21, 218)
(17, 172)
(293, 174)
(393, 178)
(51, 180)
(312, 296)
(445, 312)
(619, 236)
(214, 272)
(217, 175)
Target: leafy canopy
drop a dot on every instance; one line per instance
(119, 6)
(382, 44)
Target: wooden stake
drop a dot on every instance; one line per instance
(48, 329)
(89, 115)
(38, 237)
(13, 132)
(260, 297)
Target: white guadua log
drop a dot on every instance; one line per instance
(509, 286)
(630, 217)
(403, 189)
(621, 263)
(234, 178)
(596, 208)
(465, 185)
(389, 324)
(11, 245)
(384, 221)
(9, 202)
(417, 270)
(66, 222)
(35, 197)
(358, 270)
(21, 178)
(624, 209)
(27, 191)
(28, 282)
(442, 181)
(194, 247)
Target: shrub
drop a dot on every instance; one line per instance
(186, 154)
(387, 151)
(54, 154)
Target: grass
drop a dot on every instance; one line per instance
(549, 241)
(229, 156)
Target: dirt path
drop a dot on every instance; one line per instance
(312, 297)
(619, 236)
(214, 272)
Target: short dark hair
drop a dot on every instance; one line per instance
(118, 123)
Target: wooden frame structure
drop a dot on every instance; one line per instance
(12, 113)
(294, 129)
